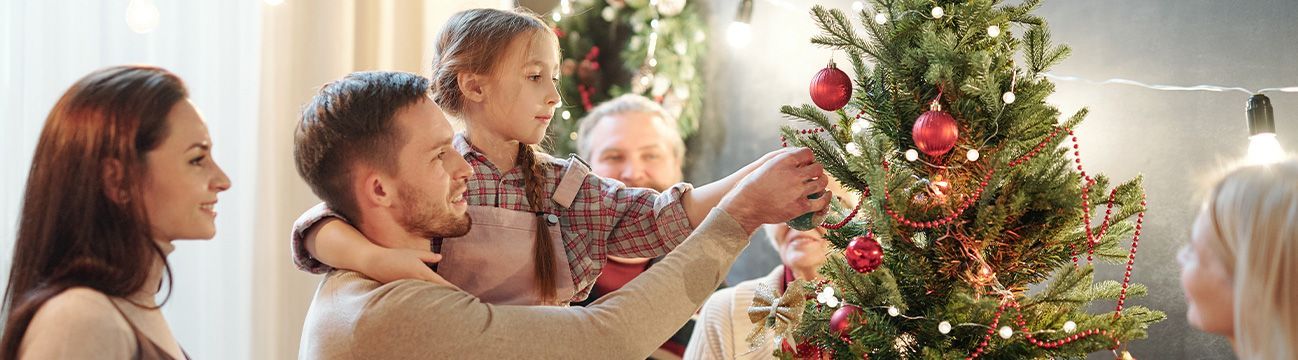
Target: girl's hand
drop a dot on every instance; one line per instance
(387, 265)
(338, 244)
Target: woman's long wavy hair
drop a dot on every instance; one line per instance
(77, 229)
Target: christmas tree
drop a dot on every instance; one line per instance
(615, 47)
(979, 228)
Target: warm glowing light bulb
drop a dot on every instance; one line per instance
(1264, 149)
(739, 34)
(142, 16)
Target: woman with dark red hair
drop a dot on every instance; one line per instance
(122, 168)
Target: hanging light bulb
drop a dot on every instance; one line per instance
(1006, 332)
(141, 16)
(740, 32)
(857, 6)
(1070, 327)
(1263, 148)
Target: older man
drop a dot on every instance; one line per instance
(373, 146)
(634, 140)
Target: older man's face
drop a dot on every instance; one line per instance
(634, 149)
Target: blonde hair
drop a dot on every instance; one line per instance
(628, 103)
(1254, 210)
(472, 42)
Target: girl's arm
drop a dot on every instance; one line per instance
(323, 241)
(701, 200)
(635, 222)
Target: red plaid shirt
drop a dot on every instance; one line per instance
(605, 218)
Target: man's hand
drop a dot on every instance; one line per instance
(777, 191)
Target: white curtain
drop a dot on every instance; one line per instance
(215, 47)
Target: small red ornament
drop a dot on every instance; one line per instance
(935, 131)
(864, 253)
(805, 350)
(845, 319)
(831, 88)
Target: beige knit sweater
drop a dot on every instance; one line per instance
(354, 317)
(723, 326)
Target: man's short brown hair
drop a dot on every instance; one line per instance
(350, 122)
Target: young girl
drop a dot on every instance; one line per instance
(1240, 269)
(123, 167)
(542, 227)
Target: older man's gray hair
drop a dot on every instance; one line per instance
(628, 103)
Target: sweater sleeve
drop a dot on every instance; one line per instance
(412, 319)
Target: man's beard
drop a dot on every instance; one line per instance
(420, 216)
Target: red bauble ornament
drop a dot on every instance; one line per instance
(935, 131)
(845, 319)
(864, 253)
(805, 350)
(831, 88)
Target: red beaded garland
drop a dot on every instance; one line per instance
(1091, 237)
(846, 219)
(1131, 259)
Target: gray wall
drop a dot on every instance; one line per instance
(1173, 138)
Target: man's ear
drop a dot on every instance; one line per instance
(473, 86)
(113, 175)
(374, 190)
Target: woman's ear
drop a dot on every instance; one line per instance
(113, 175)
(473, 86)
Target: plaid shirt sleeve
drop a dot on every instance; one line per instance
(301, 257)
(645, 222)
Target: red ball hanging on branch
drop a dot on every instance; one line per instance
(831, 88)
(864, 254)
(805, 350)
(935, 131)
(845, 319)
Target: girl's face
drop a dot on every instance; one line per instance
(1206, 280)
(182, 179)
(523, 93)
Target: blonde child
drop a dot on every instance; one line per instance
(1240, 269)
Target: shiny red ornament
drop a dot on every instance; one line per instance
(831, 88)
(935, 131)
(805, 350)
(864, 253)
(845, 319)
